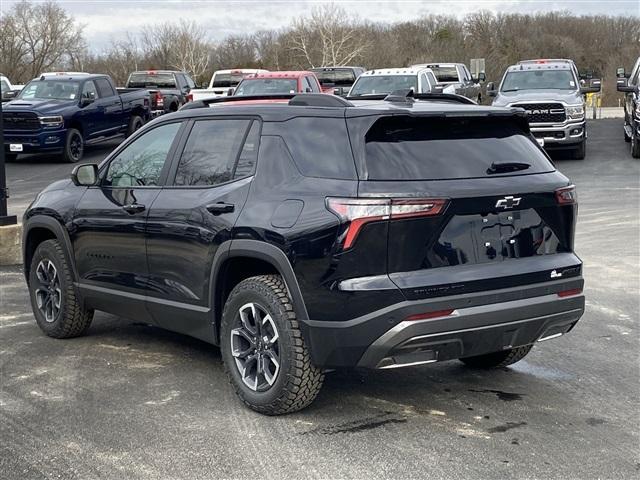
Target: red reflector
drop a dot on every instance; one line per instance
(569, 293)
(567, 195)
(427, 315)
(189, 97)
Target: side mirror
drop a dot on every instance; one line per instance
(622, 85)
(308, 90)
(230, 92)
(85, 175)
(437, 89)
(594, 86)
(491, 89)
(620, 73)
(86, 101)
(480, 78)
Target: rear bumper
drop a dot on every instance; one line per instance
(480, 323)
(560, 136)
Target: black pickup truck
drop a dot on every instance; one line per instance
(630, 85)
(61, 113)
(172, 89)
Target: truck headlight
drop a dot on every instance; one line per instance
(54, 121)
(575, 112)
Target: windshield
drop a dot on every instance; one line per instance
(445, 74)
(226, 80)
(50, 90)
(538, 80)
(160, 80)
(337, 77)
(383, 84)
(267, 86)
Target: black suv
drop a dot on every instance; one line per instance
(316, 234)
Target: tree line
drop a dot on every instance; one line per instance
(43, 36)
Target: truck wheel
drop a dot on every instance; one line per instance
(74, 147)
(580, 151)
(264, 354)
(497, 359)
(635, 146)
(627, 138)
(135, 123)
(58, 311)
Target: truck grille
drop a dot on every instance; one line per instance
(543, 112)
(21, 121)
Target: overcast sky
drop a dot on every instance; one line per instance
(107, 19)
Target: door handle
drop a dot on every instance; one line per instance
(133, 208)
(220, 207)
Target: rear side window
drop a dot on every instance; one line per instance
(410, 148)
(210, 154)
(104, 88)
(320, 147)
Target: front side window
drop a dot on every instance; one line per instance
(89, 91)
(4, 86)
(50, 90)
(210, 154)
(383, 84)
(140, 163)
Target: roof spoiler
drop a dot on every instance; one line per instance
(408, 96)
(294, 99)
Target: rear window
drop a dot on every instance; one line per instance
(337, 77)
(410, 148)
(445, 74)
(320, 147)
(267, 86)
(151, 79)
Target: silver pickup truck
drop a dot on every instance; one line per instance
(551, 94)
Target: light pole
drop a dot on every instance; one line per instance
(5, 219)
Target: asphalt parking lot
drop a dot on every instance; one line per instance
(132, 401)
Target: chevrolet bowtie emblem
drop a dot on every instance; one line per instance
(508, 202)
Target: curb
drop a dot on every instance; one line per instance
(11, 245)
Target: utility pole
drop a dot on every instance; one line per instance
(5, 219)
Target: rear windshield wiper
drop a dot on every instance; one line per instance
(504, 167)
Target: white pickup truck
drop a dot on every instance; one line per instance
(7, 90)
(222, 81)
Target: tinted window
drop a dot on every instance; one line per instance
(210, 153)
(249, 154)
(320, 147)
(89, 91)
(445, 74)
(338, 77)
(151, 79)
(409, 148)
(104, 88)
(140, 163)
(190, 82)
(225, 80)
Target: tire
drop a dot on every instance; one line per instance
(135, 123)
(58, 311)
(580, 151)
(295, 382)
(627, 138)
(10, 157)
(635, 146)
(74, 146)
(498, 359)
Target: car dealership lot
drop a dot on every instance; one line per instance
(133, 401)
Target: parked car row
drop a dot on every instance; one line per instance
(629, 84)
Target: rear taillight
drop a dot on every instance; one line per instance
(567, 195)
(357, 212)
(159, 99)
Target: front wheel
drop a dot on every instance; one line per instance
(498, 359)
(264, 354)
(74, 146)
(58, 311)
(580, 151)
(635, 146)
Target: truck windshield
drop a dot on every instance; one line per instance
(337, 77)
(380, 84)
(50, 89)
(226, 80)
(150, 79)
(445, 74)
(266, 86)
(538, 80)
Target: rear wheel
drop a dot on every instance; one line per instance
(58, 311)
(263, 351)
(627, 138)
(498, 359)
(580, 151)
(635, 146)
(74, 147)
(135, 123)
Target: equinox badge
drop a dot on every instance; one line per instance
(508, 202)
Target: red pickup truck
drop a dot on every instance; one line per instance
(271, 83)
